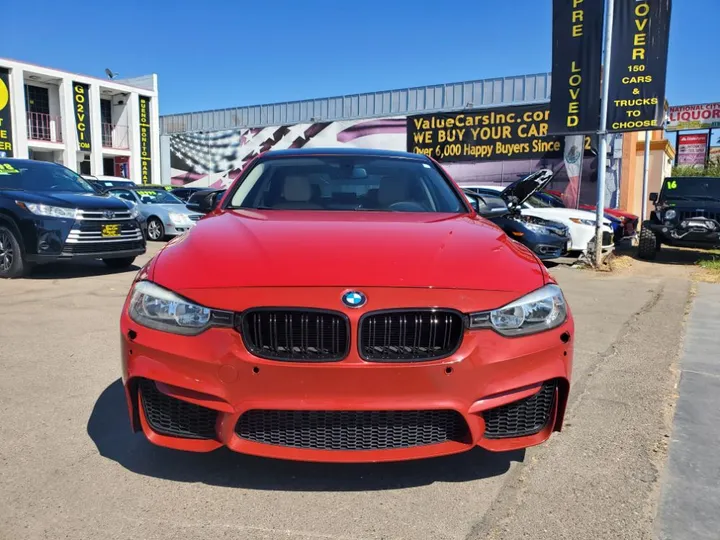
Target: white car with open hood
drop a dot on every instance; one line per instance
(580, 222)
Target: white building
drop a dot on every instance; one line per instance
(91, 125)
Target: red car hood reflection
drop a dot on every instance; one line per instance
(346, 249)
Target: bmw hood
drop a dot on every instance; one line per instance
(346, 249)
(83, 201)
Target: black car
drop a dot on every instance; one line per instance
(50, 213)
(547, 239)
(686, 214)
(184, 193)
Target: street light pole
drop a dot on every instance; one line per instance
(602, 134)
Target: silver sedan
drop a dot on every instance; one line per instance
(165, 214)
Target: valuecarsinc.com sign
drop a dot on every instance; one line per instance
(506, 133)
(82, 116)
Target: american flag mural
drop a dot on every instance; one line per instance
(216, 158)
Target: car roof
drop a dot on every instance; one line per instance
(20, 162)
(374, 152)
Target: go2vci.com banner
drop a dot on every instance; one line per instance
(507, 133)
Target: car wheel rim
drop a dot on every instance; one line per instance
(154, 230)
(6, 252)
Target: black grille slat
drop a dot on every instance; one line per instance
(352, 430)
(700, 214)
(170, 416)
(90, 247)
(521, 418)
(410, 335)
(296, 335)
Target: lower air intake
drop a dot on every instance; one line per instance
(521, 418)
(352, 430)
(170, 416)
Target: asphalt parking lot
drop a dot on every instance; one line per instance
(71, 468)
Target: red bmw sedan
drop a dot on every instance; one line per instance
(346, 306)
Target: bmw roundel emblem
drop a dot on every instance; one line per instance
(354, 299)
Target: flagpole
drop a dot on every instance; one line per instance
(602, 133)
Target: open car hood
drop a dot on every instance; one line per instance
(520, 191)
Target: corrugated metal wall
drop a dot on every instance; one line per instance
(471, 94)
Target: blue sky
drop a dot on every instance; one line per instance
(224, 53)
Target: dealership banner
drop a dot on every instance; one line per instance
(82, 115)
(576, 66)
(638, 65)
(714, 155)
(705, 116)
(692, 149)
(6, 133)
(145, 141)
(506, 133)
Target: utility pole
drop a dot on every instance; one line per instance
(646, 171)
(602, 134)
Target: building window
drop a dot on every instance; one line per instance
(37, 99)
(106, 111)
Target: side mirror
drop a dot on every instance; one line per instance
(204, 203)
(654, 197)
(487, 206)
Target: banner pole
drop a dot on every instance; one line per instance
(646, 171)
(602, 133)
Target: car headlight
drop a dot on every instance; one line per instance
(540, 229)
(49, 211)
(180, 219)
(538, 311)
(579, 221)
(161, 309)
(670, 214)
(134, 212)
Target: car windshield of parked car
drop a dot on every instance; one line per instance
(543, 201)
(44, 177)
(692, 188)
(336, 183)
(157, 196)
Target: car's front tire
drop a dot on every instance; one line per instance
(12, 264)
(648, 245)
(119, 264)
(155, 229)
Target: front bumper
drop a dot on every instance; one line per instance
(688, 236)
(48, 239)
(214, 378)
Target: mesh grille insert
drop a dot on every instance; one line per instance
(170, 416)
(296, 335)
(410, 335)
(521, 418)
(352, 430)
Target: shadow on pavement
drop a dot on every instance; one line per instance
(672, 255)
(109, 428)
(63, 270)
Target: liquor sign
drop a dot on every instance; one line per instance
(692, 149)
(577, 48)
(685, 117)
(638, 65)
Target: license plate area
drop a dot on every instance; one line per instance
(110, 230)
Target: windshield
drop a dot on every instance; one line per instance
(541, 200)
(41, 176)
(692, 188)
(157, 196)
(369, 183)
